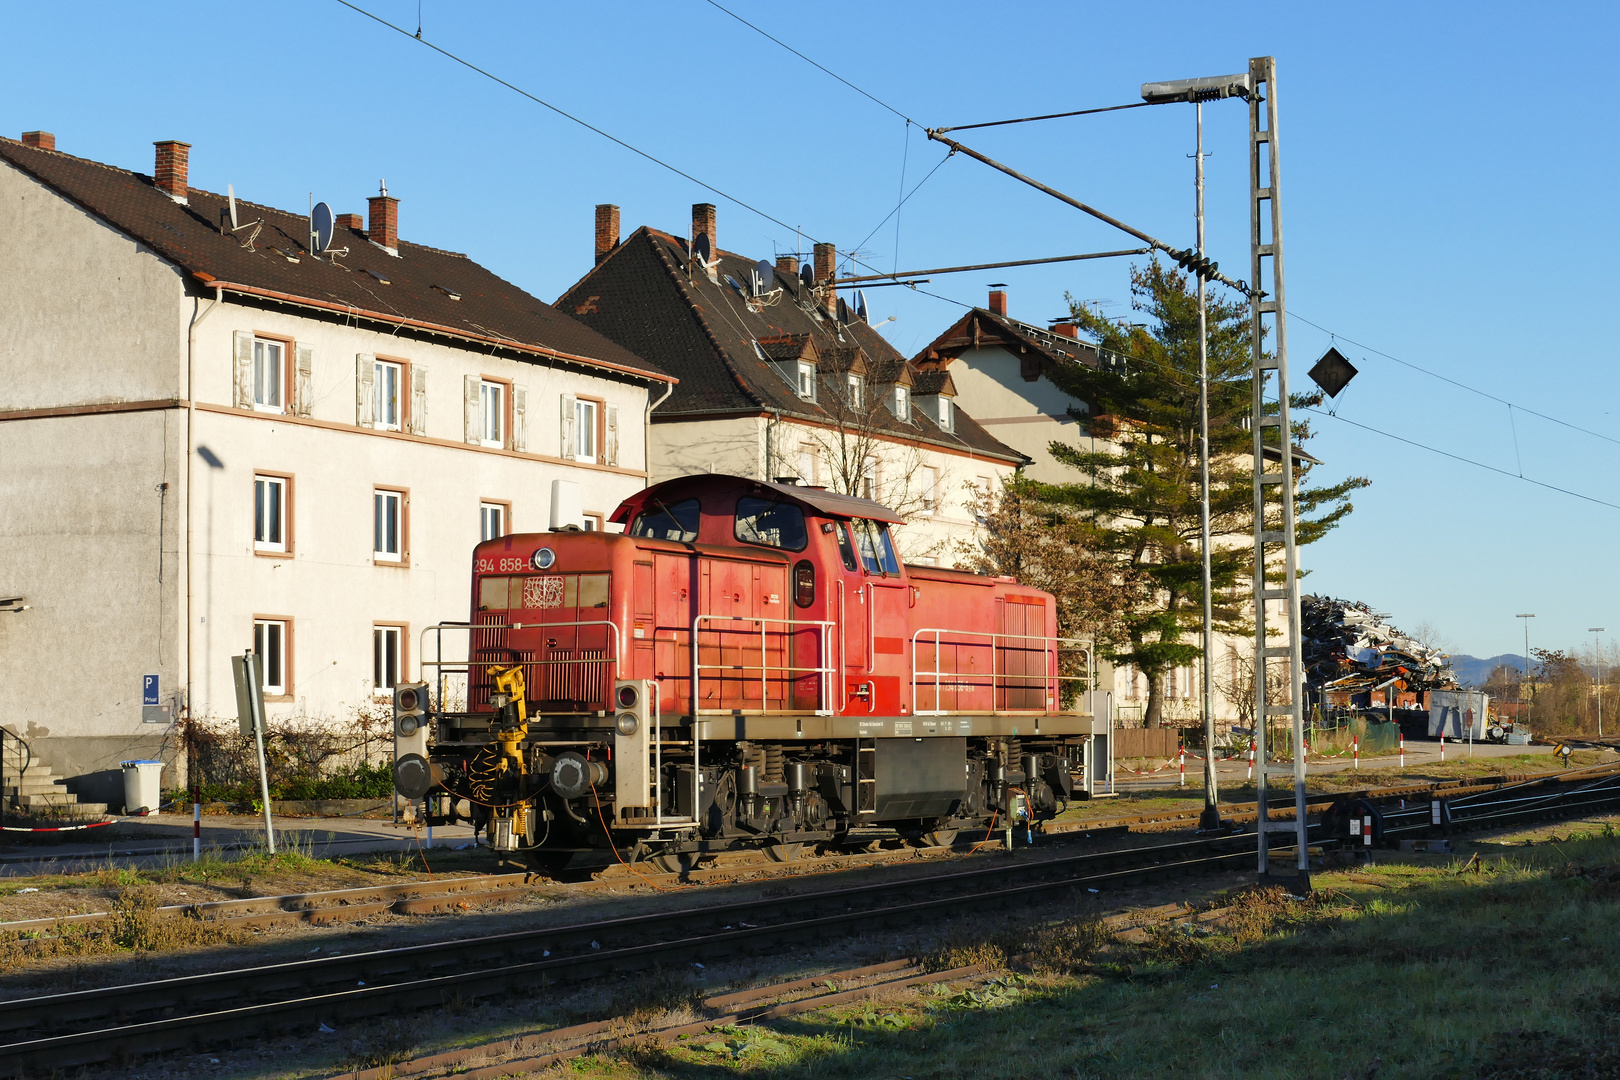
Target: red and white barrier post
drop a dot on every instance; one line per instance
(1403, 750)
(1355, 752)
(1251, 759)
(1182, 753)
(196, 825)
(1442, 746)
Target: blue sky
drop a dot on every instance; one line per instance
(1448, 175)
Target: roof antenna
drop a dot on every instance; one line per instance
(230, 215)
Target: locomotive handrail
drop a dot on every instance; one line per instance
(1050, 681)
(445, 666)
(825, 671)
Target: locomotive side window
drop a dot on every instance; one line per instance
(877, 550)
(678, 522)
(804, 583)
(492, 593)
(846, 550)
(773, 524)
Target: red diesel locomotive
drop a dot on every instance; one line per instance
(747, 664)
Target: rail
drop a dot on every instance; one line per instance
(1050, 680)
(825, 671)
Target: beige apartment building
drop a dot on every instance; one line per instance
(214, 439)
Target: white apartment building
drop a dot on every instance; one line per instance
(214, 440)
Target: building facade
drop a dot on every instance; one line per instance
(781, 378)
(213, 439)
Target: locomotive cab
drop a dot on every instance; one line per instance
(746, 664)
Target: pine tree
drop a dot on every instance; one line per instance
(1136, 498)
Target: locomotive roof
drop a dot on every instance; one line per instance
(829, 503)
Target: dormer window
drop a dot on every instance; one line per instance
(807, 380)
(947, 414)
(854, 390)
(900, 404)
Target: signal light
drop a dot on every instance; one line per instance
(628, 695)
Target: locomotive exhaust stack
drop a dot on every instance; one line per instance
(748, 664)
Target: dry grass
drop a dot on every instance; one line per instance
(136, 925)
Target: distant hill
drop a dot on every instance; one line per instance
(1473, 671)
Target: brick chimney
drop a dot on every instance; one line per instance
(384, 215)
(1066, 329)
(607, 230)
(351, 221)
(40, 140)
(703, 224)
(788, 264)
(173, 162)
(998, 300)
(826, 263)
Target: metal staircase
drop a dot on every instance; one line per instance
(1276, 601)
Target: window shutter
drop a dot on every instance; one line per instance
(568, 427)
(303, 389)
(244, 369)
(418, 400)
(520, 422)
(610, 442)
(470, 407)
(365, 376)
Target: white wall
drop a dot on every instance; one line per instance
(1027, 416)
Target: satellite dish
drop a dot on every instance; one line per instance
(230, 195)
(860, 304)
(735, 284)
(807, 274)
(843, 311)
(321, 223)
(766, 276)
(700, 248)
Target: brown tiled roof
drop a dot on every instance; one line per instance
(705, 332)
(1040, 350)
(422, 283)
(933, 381)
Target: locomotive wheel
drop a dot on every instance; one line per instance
(939, 838)
(549, 863)
(677, 863)
(783, 852)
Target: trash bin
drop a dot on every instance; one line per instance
(142, 786)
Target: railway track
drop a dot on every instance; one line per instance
(58, 1031)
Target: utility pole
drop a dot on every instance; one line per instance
(1527, 678)
(1597, 673)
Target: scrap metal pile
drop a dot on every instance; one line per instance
(1349, 648)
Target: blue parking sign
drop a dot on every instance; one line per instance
(149, 690)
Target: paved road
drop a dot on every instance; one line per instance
(160, 839)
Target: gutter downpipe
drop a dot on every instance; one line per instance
(646, 430)
(191, 455)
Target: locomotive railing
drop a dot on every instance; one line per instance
(586, 666)
(788, 670)
(1002, 684)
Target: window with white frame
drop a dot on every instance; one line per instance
(387, 378)
(491, 521)
(807, 380)
(854, 390)
(269, 375)
(270, 532)
(809, 460)
(984, 494)
(591, 522)
(586, 413)
(388, 525)
(492, 413)
(270, 639)
(386, 657)
(871, 482)
(947, 414)
(901, 404)
(928, 482)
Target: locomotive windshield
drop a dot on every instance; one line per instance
(678, 522)
(774, 524)
(877, 550)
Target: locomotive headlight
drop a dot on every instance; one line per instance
(627, 724)
(543, 559)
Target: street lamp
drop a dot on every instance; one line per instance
(1199, 91)
(1527, 617)
(1597, 667)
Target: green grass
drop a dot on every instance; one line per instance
(1389, 971)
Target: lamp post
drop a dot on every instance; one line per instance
(1527, 617)
(1597, 669)
(1198, 91)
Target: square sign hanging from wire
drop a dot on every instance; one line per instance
(1333, 372)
